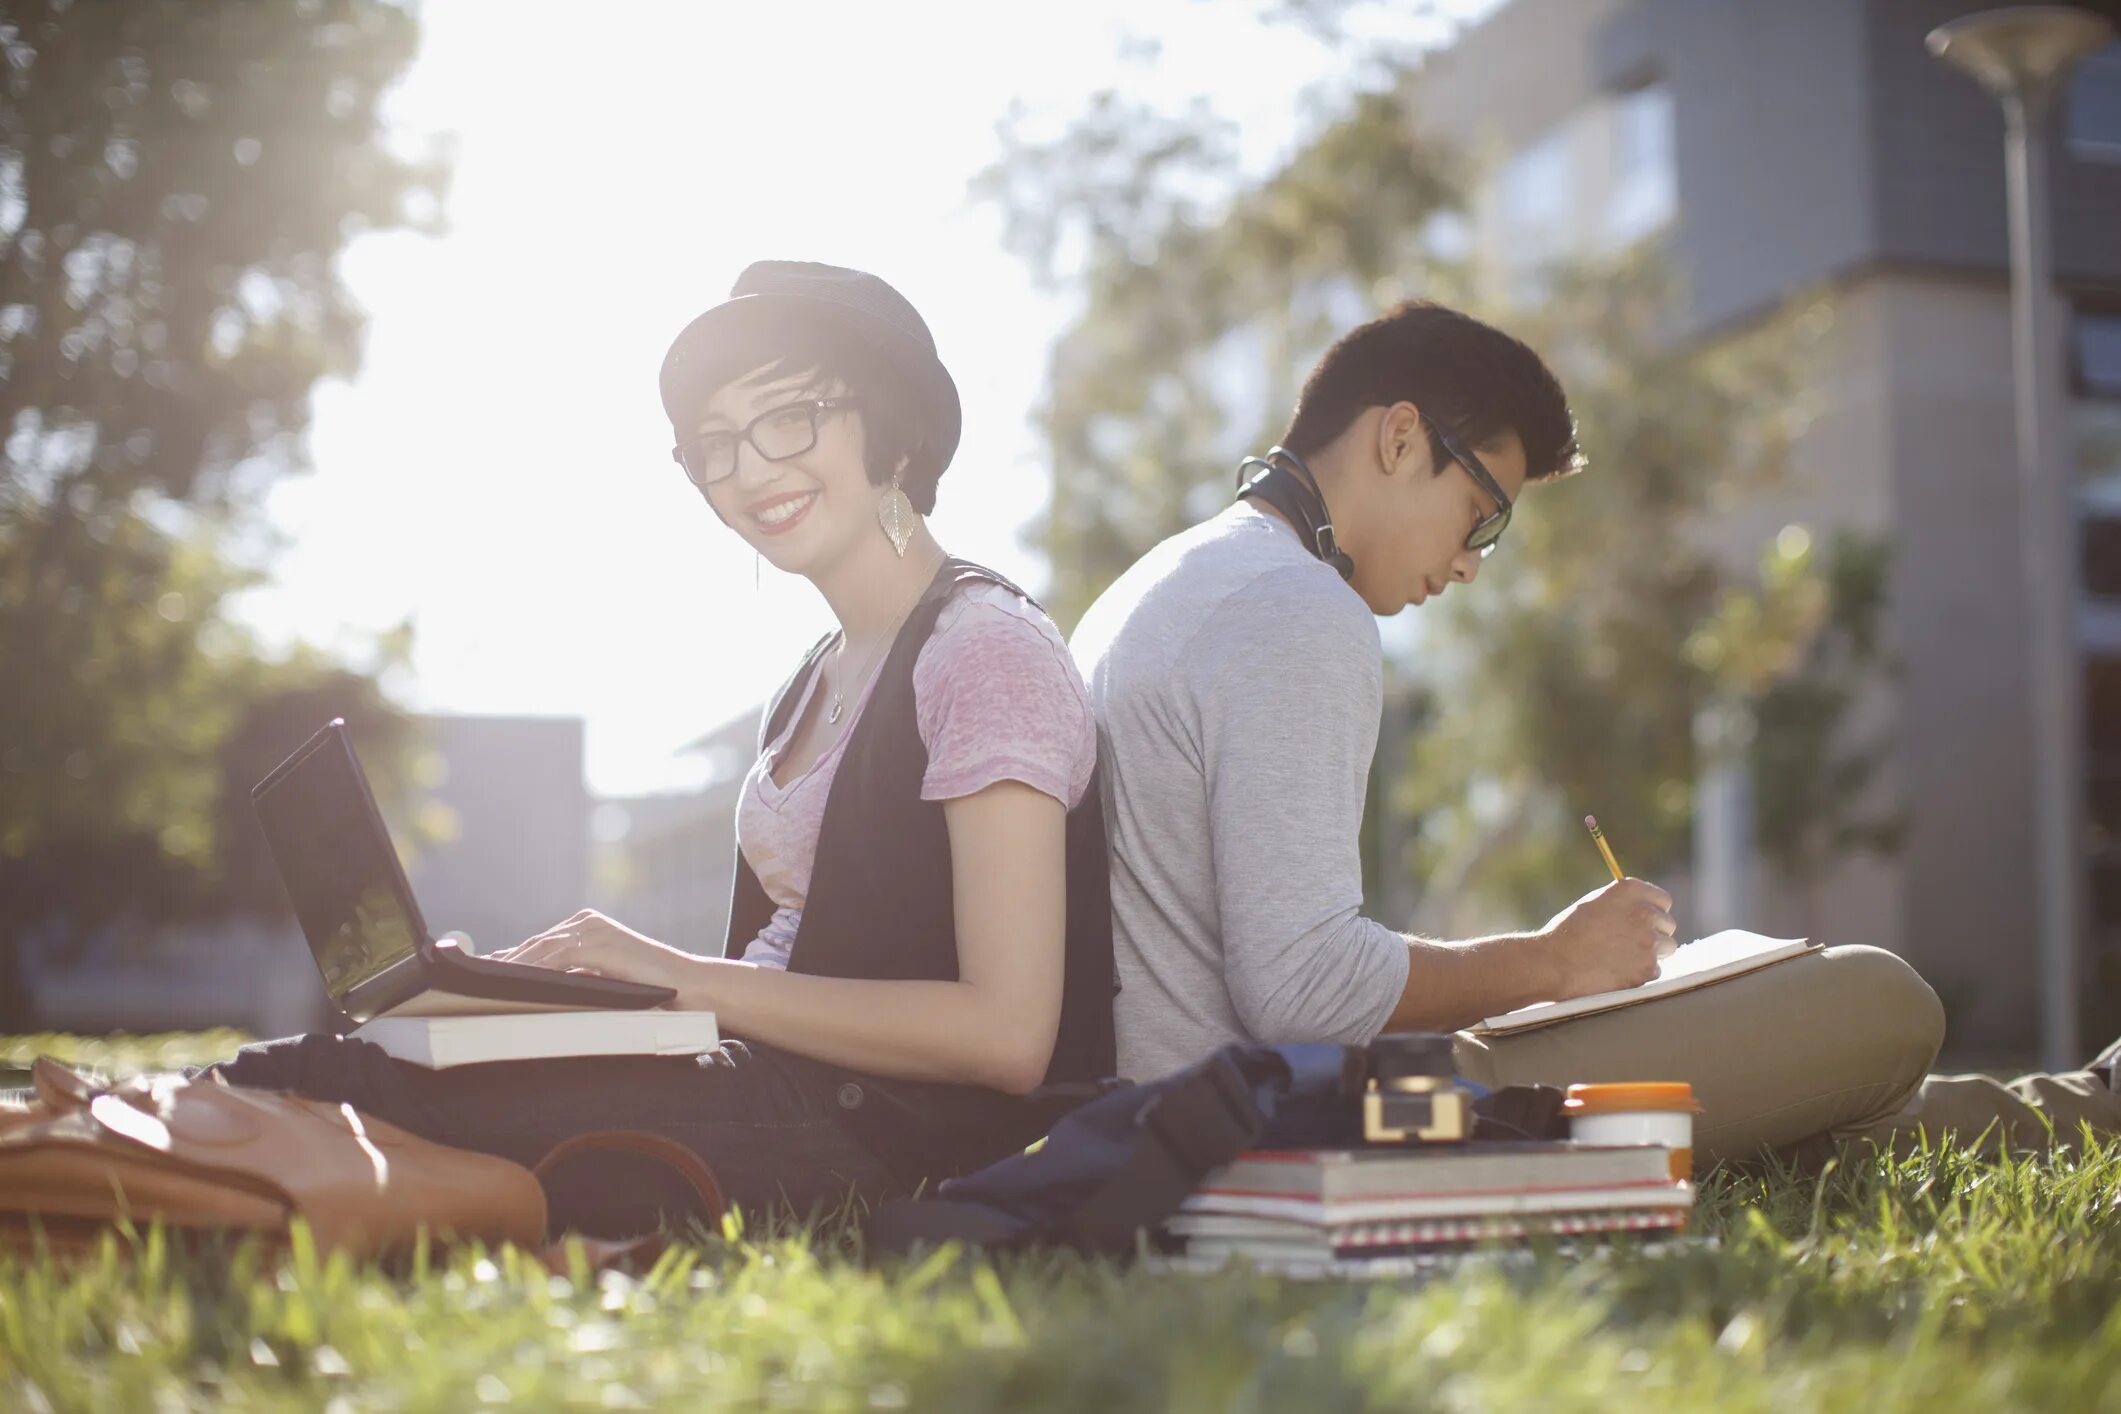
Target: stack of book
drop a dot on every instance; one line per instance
(1321, 1208)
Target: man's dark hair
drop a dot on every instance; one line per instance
(894, 424)
(1474, 380)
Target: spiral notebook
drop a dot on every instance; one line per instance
(1213, 1236)
(1731, 953)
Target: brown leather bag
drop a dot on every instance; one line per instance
(204, 1154)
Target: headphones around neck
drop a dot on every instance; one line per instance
(1283, 481)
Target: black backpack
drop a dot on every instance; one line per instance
(1113, 1169)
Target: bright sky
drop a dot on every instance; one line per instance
(499, 471)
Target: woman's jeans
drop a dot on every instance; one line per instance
(769, 1132)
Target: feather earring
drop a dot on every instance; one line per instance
(895, 514)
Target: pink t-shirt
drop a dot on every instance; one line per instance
(997, 698)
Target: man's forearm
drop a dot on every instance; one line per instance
(1454, 984)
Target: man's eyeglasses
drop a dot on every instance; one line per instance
(778, 433)
(1489, 528)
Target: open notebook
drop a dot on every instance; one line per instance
(1711, 959)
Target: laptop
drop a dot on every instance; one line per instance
(364, 928)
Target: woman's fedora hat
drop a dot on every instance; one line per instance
(772, 295)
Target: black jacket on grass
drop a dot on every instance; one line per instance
(882, 907)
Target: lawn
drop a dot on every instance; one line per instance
(1932, 1282)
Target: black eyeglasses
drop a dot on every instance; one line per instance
(779, 433)
(1488, 529)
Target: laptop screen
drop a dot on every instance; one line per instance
(338, 864)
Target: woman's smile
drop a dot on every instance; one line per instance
(780, 514)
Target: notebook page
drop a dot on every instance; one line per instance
(1707, 959)
(1731, 945)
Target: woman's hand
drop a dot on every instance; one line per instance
(590, 942)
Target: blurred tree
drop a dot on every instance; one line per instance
(1203, 307)
(176, 180)
(1814, 786)
(283, 703)
(1562, 684)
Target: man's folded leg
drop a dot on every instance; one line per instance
(1988, 1114)
(1835, 1041)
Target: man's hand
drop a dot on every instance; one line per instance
(1610, 939)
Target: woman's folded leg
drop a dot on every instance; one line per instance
(765, 1129)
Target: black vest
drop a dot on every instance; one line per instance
(881, 906)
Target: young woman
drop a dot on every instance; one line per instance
(920, 934)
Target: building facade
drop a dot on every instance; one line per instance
(665, 863)
(1814, 147)
(514, 858)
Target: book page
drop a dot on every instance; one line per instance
(441, 1041)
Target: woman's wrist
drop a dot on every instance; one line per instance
(697, 980)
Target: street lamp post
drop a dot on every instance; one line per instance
(2021, 56)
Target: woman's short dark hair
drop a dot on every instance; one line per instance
(894, 423)
(1475, 380)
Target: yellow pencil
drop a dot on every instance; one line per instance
(1598, 836)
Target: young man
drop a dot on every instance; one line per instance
(1236, 674)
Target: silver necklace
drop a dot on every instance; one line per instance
(838, 703)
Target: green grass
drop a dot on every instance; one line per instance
(1928, 1282)
(118, 1055)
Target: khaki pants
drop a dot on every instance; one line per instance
(1832, 1045)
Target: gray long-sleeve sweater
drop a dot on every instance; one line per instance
(1237, 683)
